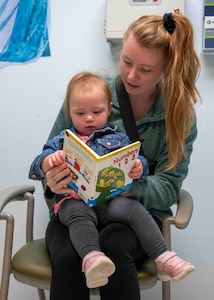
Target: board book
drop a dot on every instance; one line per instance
(98, 178)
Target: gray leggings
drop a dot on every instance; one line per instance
(82, 224)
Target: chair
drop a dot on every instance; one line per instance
(30, 264)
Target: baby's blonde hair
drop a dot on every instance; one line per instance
(85, 82)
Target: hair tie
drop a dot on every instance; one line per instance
(168, 22)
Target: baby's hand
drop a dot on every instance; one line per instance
(52, 160)
(137, 170)
(56, 159)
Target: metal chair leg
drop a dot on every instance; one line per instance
(7, 255)
(41, 294)
(166, 290)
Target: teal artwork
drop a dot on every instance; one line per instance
(23, 30)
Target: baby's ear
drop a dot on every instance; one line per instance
(110, 107)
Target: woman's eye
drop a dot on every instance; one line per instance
(127, 63)
(143, 70)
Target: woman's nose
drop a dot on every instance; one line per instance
(132, 74)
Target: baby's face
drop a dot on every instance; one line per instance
(89, 110)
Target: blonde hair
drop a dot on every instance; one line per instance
(85, 82)
(180, 74)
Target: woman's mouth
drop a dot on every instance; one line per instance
(132, 85)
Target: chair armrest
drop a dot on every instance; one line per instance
(19, 193)
(181, 218)
(14, 193)
(184, 210)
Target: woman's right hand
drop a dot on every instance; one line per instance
(57, 179)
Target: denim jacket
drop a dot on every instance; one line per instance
(100, 141)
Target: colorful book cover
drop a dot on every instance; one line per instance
(98, 178)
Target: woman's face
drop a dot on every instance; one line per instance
(141, 68)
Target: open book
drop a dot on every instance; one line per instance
(98, 178)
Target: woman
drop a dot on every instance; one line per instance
(159, 68)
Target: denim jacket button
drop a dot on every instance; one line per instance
(33, 176)
(89, 144)
(108, 143)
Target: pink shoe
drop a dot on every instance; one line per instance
(97, 268)
(173, 267)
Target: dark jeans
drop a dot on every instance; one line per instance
(68, 281)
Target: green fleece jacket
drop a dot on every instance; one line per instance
(160, 191)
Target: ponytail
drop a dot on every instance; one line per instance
(179, 87)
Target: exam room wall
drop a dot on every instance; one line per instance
(30, 97)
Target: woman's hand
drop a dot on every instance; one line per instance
(57, 179)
